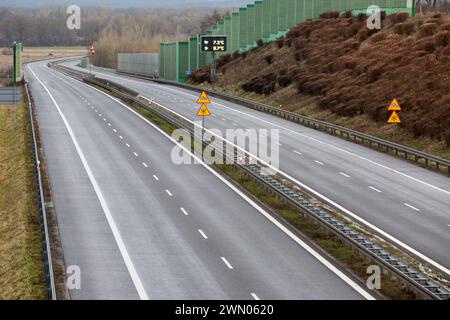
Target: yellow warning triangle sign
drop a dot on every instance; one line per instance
(394, 118)
(203, 111)
(394, 106)
(203, 98)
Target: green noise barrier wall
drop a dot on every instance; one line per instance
(262, 19)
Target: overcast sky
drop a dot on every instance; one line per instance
(127, 3)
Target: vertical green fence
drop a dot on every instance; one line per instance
(262, 19)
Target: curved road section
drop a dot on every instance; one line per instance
(140, 227)
(406, 204)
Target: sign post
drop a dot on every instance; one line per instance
(394, 118)
(92, 54)
(213, 44)
(203, 112)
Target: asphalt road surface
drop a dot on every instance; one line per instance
(140, 227)
(410, 205)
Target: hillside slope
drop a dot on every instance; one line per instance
(336, 69)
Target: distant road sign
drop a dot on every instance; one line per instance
(213, 43)
(203, 111)
(203, 98)
(394, 118)
(394, 106)
(187, 73)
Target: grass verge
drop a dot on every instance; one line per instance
(21, 272)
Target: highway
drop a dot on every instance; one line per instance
(407, 204)
(141, 227)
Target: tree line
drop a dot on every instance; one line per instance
(46, 26)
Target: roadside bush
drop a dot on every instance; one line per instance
(427, 29)
(223, 60)
(280, 42)
(260, 43)
(404, 28)
(398, 17)
(269, 58)
(442, 39)
(261, 85)
(285, 80)
(347, 14)
(329, 15)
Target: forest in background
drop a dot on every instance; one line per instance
(112, 30)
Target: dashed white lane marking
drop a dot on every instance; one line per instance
(104, 119)
(318, 162)
(316, 255)
(412, 207)
(155, 177)
(169, 193)
(344, 174)
(92, 107)
(96, 110)
(184, 211)
(120, 137)
(135, 154)
(255, 296)
(297, 152)
(144, 164)
(227, 263)
(235, 124)
(279, 144)
(109, 124)
(115, 131)
(203, 234)
(375, 189)
(127, 145)
(115, 231)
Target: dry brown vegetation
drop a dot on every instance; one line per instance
(21, 275)
(336, 69)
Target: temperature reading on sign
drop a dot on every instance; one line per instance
(214, 43)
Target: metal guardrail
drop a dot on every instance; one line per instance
(422, 285)
(44, 235)
(429, 160)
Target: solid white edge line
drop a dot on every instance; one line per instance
(121, 245)
(313, 139)
(227, 263)
(305, 246)
(331, 202)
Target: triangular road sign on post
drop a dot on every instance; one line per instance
(394, 118)
(203, 98)
(394, 106)
(203, 111)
